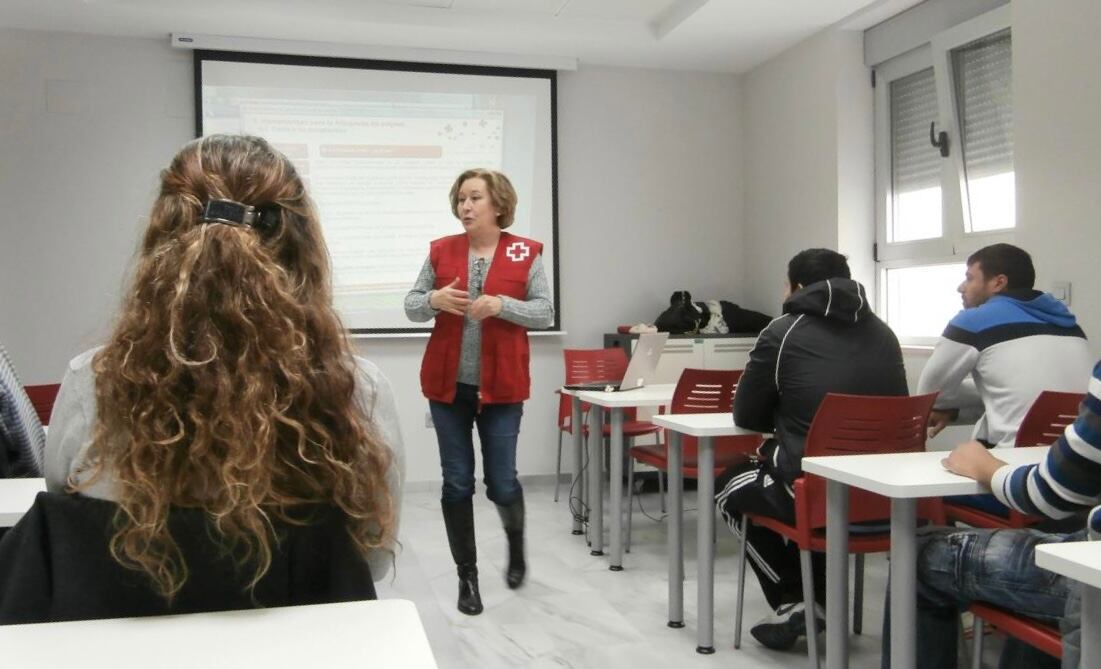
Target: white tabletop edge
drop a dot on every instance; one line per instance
(380, 632)
(17, 497)
(1079, 560)
(909, 475)
(701, 424)
(655, 395)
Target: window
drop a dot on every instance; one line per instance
(944, 169)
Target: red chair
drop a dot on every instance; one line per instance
(1041, 636)
(697, 391)
(1045, 421)
(846, 425)
(42, 397)
(586, 366)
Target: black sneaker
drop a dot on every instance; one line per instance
(781, 630)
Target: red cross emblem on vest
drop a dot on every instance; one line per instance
(518, 251)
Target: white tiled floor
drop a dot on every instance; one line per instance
(573, 611)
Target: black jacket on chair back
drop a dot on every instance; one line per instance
(55, 565)
(828, 340)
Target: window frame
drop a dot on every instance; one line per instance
(955, 243)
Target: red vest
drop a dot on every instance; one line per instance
(504, 367)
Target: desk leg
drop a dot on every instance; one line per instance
(837, 575)
(903, 583)
(616, 493)
(577, 439)
(705, 547)
(676, 534)
(596, 482)
(1091, 617)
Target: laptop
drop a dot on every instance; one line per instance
(643, 363)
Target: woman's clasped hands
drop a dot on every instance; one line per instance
(456, 301)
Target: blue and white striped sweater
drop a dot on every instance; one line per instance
(1069, 479)
(20, 429)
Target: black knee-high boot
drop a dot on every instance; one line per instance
(512, 517)
(459, 520)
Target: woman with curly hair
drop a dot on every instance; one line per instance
(227, 388)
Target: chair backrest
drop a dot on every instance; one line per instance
(584, 365)
(705, 391)
(862, 424)
(710, 391)
(1048, 417)
(43, 397)
(594, 364)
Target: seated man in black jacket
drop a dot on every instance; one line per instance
(828, 340)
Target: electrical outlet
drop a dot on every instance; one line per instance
(1061, 291)
(428, 419)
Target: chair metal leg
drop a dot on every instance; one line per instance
(630, 500)
(858, 594)
(741, 586)
(976, 643)
(558, 468)
(809, 614)
(661, 489)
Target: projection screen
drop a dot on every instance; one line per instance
(379, 144)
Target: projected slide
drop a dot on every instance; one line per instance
(379, 150)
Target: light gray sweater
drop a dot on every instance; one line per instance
(74, 415)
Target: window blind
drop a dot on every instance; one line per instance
(984, 93)
(915, 163)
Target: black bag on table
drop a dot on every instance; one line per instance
(682, 317)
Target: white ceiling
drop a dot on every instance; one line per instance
(708, 35)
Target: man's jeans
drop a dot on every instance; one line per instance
(498, 429)
(959, 566)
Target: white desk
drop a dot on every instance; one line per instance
(17, 497)
(1080, 560)
(705, 426)
(616, 402)
(385, 633)
(905, 478)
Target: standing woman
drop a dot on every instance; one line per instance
(485, 288)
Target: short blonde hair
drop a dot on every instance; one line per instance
(501, 193)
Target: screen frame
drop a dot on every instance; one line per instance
(202, 55)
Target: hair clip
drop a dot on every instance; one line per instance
(229, 212)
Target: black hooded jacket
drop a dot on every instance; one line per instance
(828, 340)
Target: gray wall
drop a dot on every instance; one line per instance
(1057, 144)
(808, 161)
(649, 202)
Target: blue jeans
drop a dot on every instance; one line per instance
(959, 566)
(498, 430)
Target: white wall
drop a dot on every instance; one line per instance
(85, 124)
(649, 202)
(807, 160)
(805, 107)
(1057, 147)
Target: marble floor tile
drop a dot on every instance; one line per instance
(573, 611)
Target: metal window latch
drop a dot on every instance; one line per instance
(938, 139)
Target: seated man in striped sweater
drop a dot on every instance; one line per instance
(960, 566)
(22, 439)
